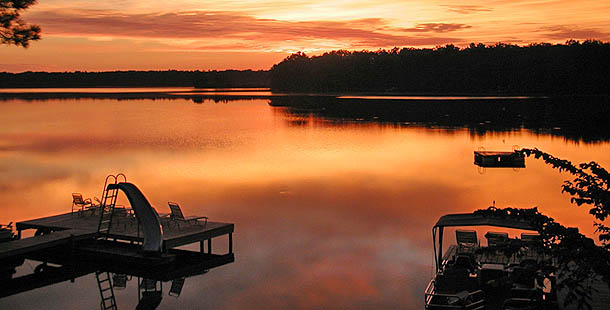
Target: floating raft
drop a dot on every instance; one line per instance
(495, 159)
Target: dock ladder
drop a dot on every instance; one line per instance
(107, 204)
(104, 283)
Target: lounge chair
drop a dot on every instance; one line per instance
(177, 217)
(495, 239)
(79, 204)
(466, 240)
(6, 232)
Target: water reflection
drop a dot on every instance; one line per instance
(333, 207)
(151, 283)
(584, 119)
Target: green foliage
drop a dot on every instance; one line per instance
(13, 30)
(591, 186)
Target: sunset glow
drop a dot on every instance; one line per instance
(185, 34)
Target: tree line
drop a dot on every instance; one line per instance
(171, 78)
(542, 68)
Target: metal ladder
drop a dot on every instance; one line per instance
(107, 204)
(106, 291)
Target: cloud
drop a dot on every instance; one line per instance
(437, 27)
(565, 33)
(467, 9)
(226, 29)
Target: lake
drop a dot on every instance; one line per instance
(333, 202)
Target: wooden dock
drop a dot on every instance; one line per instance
(113, 242)
(76, 233)
(22, 247)
(125, 227)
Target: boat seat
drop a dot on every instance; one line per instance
(495, 239)
(466, 240)
(455, 279)
(528, 238)
(465, 261)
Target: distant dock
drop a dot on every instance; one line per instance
(496, 159)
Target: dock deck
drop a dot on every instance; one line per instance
(126, 228)
(24, 246)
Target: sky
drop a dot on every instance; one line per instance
(90, 35)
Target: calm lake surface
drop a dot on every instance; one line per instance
(332, 209)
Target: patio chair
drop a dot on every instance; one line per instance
(178, 217)
(466, 239)
(495, 239)
(6, 232)
(79, 204)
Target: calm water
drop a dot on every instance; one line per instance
(332, 210)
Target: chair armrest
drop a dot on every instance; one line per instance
(191, 218)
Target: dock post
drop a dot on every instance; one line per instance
(230, 243)
(201, 249)
(210, 246)
(18, 234)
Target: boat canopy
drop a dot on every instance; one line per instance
(471, 219)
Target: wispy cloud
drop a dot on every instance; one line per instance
(566, 33)
(467, 9)
(229, 28)
(437, 27)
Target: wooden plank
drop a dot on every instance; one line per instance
(37, 243)
(125, 229)
(494, 153)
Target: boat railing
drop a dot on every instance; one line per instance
(474, 300)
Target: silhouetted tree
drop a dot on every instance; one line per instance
(210, 79)
(590, 187)
(541, 68)
(13, 29)
(573, 258)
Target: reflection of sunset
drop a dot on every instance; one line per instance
(90, 35)
(337, 213)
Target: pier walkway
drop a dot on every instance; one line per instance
(24, 246)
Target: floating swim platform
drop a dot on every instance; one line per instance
(498, 159)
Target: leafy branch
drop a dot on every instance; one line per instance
(571, 256)
(591, 186)
(13, 29)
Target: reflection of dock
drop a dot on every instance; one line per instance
(499, 159)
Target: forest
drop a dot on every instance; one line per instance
(543, 68)
(169, 78)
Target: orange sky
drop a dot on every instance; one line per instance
(188, 34)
